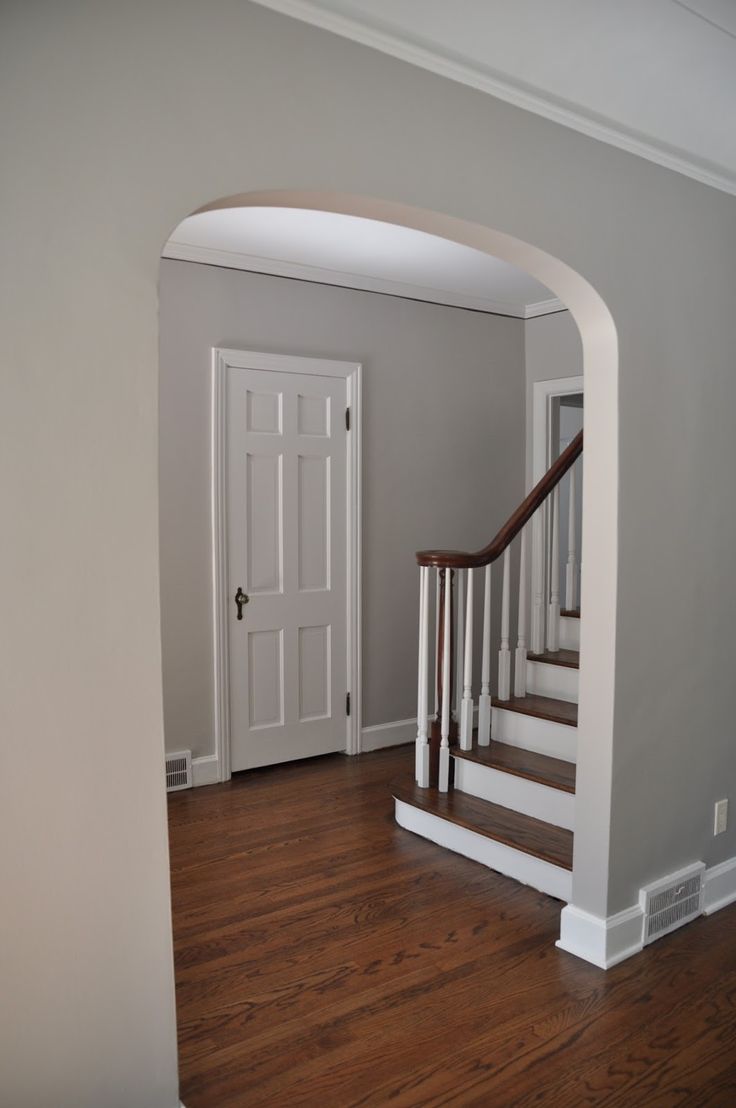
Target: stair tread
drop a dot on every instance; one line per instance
(531, 836)
(554, 772)
(542, 707)
(570, 613)
(568, 658)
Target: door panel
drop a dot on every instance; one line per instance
(287, 547)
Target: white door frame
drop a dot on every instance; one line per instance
(544, 392)
(222, 360)
(543, 395)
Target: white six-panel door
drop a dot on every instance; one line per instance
(286, 512)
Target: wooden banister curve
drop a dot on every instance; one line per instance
(458, 559)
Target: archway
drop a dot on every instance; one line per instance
(599, 342)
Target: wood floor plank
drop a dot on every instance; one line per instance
(325, 957)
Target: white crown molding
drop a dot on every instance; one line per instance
(230, 259)
(513, 92)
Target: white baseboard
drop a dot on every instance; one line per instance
(206, 770)
(719, 886)
(602, 941)
(606, 942)
(388, 734)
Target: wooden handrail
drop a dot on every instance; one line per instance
(458, 559)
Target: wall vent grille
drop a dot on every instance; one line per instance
(178, 771)
(672, 902)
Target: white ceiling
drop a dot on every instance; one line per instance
(358, 253)
(655, 77)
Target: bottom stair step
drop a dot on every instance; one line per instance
(533, 852)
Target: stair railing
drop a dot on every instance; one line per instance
(454, 705)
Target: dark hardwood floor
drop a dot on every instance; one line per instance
(326, 957)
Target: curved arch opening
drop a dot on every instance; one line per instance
(598, 590)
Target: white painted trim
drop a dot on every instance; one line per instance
(222, 360)
(354, 487)
(570, 636)
(382, 735)
(221, 651)
(531, 798)
(603, 942)
(559, 682)
(543, 736)
(719, 886)
(276, 267)
(543, 307)
(526, 868)
(504, 87)
(543, 393)
(606, 942)
(206, 770)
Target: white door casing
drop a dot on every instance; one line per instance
(286, 532)
(544, 393)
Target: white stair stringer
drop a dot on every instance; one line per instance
(569, 633)
(544, 736)
(546, 679)
(531, 798)
(526, 868)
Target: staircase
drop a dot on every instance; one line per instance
(495, 773)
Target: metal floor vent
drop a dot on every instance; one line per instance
(672, 902)
(178, 771)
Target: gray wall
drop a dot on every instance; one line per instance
(443, 456)
(118, 121)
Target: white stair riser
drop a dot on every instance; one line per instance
(529, 870)
(558, 740)
(569, 633)
(559, 682)
(529, 797)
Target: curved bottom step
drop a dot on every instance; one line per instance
(468, 826)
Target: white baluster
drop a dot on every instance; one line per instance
(484, 704)
(444, 777)
(520, 659)
(504, 654)
(571, 570)
(538, 562)
(466, 712)
(459, 640)
(422, 749)
(553, 622)
(436, 641)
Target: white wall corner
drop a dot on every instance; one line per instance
(602, 941)
(719, 886)
(205, 770)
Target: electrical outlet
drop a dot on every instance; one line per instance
(721, 817)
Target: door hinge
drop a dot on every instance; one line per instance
(347, 419)
(347, 704)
